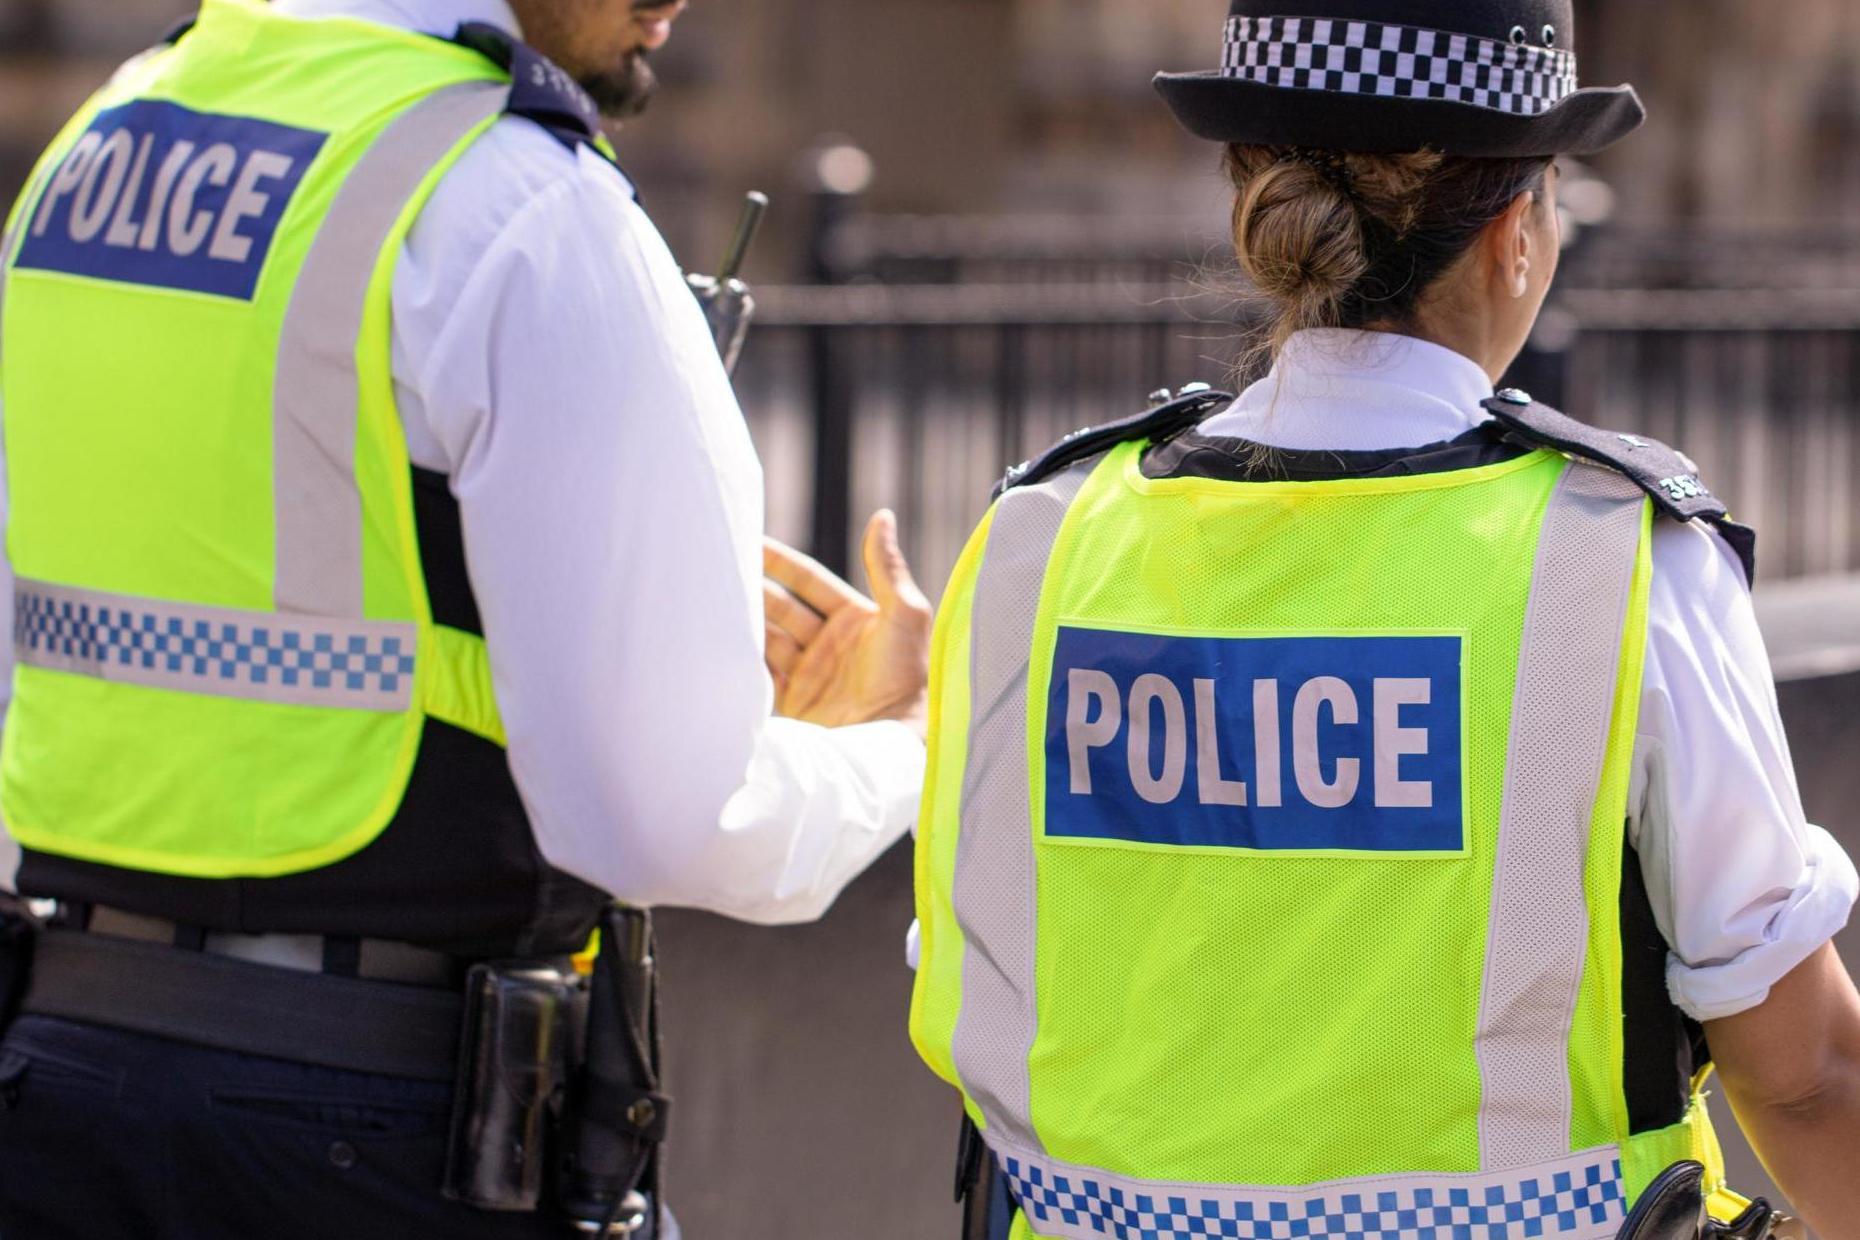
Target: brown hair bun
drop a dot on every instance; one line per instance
(1340, 239)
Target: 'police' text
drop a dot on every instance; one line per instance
(1299, 744)
(155, 193)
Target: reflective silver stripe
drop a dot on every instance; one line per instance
(1569, 1197)
(993, 895)
(257, 656)
(1561, 710)
(316, 390)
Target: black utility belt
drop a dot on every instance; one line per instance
(231, 1004)
(380, 960)
(556, 1103)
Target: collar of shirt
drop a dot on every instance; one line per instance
(436, 17)
(1358, 391)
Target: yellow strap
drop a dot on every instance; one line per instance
(1725, 1205)
(456, 684)
(1721, 1202)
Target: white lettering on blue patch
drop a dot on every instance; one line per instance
(155, 193)
(1298, 744)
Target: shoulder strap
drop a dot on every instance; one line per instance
(1158, 423)
(1665, 474)
(540, 89)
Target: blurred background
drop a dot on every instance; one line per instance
(987, 232)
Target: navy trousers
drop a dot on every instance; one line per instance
(110, 1135)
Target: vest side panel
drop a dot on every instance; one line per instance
(936, 996)
(1193, 994)
(1597, 1054)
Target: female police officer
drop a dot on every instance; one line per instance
(1272, 875)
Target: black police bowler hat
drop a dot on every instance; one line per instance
(1464, 77)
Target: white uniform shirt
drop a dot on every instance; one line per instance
(549, 359)
(1742, 887)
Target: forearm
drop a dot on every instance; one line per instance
(652, 768)
(818, 806)
(1808, 1147)
(1791, 1069)
(674, 786)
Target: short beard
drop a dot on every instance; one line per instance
(625, 91)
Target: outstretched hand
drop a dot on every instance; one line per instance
(838, 657)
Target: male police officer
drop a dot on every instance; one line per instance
(286, 708)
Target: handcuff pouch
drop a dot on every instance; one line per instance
(517, 1051)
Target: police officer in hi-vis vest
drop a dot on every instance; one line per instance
(387, 563)
(1359, 809)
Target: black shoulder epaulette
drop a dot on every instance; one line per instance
(1664, 473)
(540, 89)
(1158, 423)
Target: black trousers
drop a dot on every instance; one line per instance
(110, 1135)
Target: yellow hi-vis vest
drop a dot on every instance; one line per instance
(225, 650)
(1270, 862)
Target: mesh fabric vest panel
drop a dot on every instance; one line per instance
(1327, 989)
(143, 464)
(1281, 1017)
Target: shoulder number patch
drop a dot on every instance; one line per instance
(1285, 744)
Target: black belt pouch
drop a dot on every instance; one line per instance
(18, 930)
(515, 1056)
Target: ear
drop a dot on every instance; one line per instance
(1510, 247)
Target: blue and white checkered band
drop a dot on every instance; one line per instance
(259, 656)
(1577, 1198)
(1397, 62)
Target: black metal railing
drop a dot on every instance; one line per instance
(933, 390)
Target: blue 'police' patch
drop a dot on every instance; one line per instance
(1297, 744)
(155, 193)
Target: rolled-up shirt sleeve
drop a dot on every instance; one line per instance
(1742, 885)
(612, 509)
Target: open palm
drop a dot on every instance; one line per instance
(841, 658)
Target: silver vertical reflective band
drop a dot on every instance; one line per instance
(316, 392)
(1561, 711)
(218, 651)
(993, 894)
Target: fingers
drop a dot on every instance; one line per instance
(789, 614)
(807, 579)
(893, 587)
(821, 665)
(781, 652)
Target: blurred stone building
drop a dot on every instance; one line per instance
(995, 106)
(1754, 110)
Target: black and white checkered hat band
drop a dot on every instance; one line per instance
(1402, 62)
